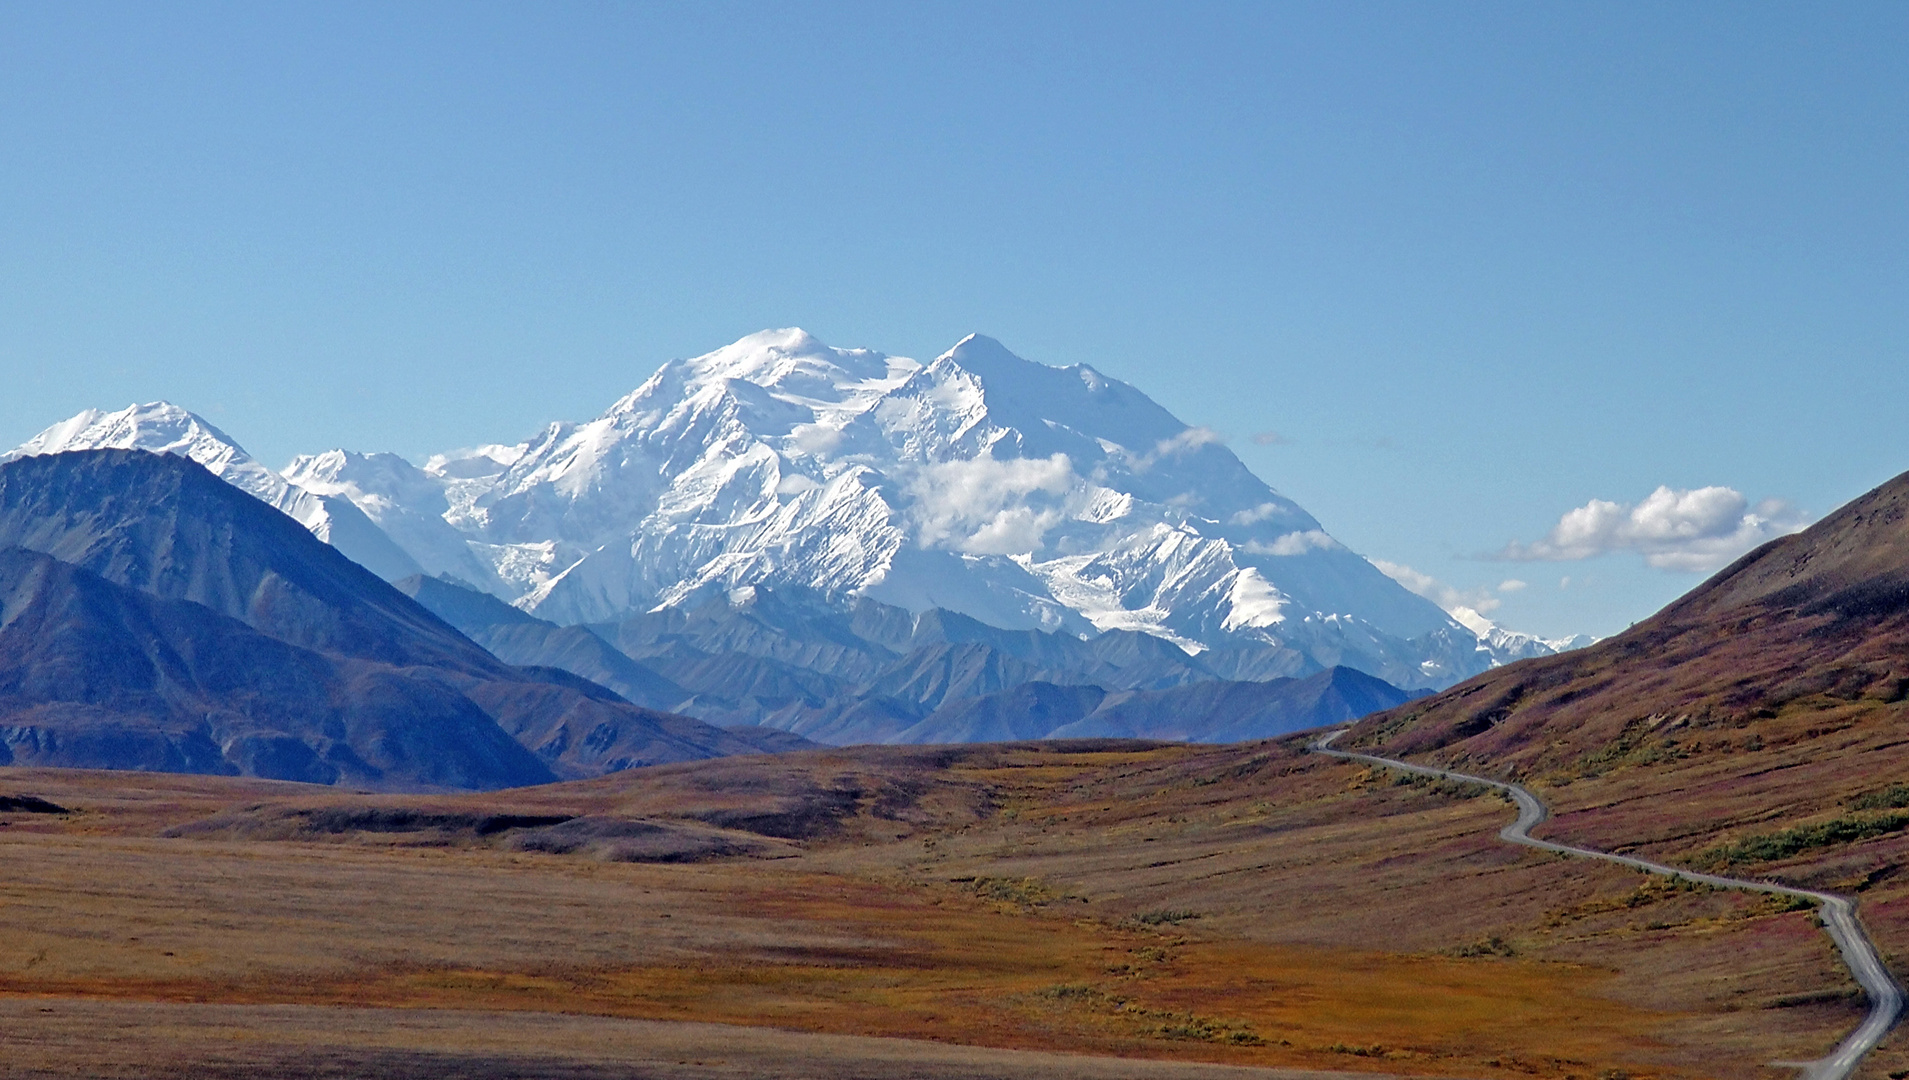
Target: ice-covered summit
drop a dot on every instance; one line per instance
(164, 428)
(1018, 493)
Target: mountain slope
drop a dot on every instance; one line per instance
(164, 526)
(1030, 710)
(525, 640)
(1509, 646)
(1022, 496)
(98, 675)
(402, 501)
(775, 657)
(1752, 728)
(1811, 624)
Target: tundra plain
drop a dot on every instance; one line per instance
(1250, 905)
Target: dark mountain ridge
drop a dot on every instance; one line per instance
(157, 617)
(791, 660)
(97, 675)
(164, 525)
(527, 641)
(1214, 711)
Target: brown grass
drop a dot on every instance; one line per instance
(1242, 905)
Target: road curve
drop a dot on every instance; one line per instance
(1838, 912)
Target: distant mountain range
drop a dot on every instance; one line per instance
(789, 660)
(1022, 496)
(155, 617)
(773, 543)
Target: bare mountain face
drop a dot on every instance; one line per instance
(98, 675)
(1023, 496)
(1809, 630)
(152, 616)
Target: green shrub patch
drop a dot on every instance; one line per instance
(1769, 847)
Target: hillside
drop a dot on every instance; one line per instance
(97, 675)
(1753, 727)
(1809, 630)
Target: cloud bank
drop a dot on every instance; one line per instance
(1698, 530)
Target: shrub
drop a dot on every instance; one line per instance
(1769, 847)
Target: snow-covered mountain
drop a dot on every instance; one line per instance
(163, 428)
(1023, 495)
(408, 504)
(1507, 646)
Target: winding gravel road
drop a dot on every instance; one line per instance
(1838, 912)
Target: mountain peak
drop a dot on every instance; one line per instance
(979, 345)
(158, 426)
(789, 359)
(1018, 493)
(985, 354)
(161, 427)
(989, 358)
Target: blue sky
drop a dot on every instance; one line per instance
(1462, 268)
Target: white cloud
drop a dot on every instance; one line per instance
(1695, 530)
(1293, 543)
(1464, 603)
(1270, 438)
(1191, 439)
(1179, 445)
(814, 439)
(989, 507)
(1256, 514)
